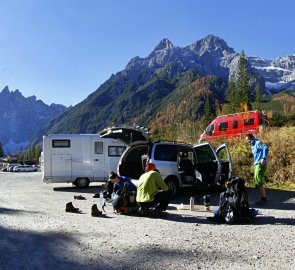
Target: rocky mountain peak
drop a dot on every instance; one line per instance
(164, 44)
(285, 62)
(5, 90)
(213, 45)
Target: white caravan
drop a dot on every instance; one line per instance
(79, 158)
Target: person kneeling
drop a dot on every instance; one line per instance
(152, 192)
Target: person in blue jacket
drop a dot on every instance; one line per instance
(260, 153)
(120, 181)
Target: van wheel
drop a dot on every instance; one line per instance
(172, 185)
(82, 182)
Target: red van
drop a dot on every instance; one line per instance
(234, 125)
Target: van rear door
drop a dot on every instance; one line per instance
(127, 135)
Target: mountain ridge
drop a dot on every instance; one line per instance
(21, 117)
(145, 86)
(150, 85)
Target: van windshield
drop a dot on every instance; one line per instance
(210, 128)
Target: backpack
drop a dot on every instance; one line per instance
(233, 204)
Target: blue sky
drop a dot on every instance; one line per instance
(63, 50)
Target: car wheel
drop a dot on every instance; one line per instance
(172, 185)
(82, 182)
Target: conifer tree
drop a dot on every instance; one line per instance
(230, 95)
(208, 114)
(257, 105)
(1, 150)
(242, 96)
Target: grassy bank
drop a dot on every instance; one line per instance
(281, 161)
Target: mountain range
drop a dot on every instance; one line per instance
(21, 117)
(169, 79)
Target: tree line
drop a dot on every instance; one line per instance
(29, 156)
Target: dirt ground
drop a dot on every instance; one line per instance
(37, 233)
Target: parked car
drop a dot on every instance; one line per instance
(10, 166)
(234, 125)
(25, 168)
(180, 164)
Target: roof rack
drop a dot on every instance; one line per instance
(166, 141)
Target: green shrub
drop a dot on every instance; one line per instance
(281, 159)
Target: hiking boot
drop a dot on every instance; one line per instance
(71, 208)
(94, 211)
(261, 202)
(158, 213)
(79, 197)
(144, 212)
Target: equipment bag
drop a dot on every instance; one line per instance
(233, 203)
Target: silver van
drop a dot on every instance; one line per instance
(180, 164)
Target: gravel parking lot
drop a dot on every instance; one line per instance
(37, 233)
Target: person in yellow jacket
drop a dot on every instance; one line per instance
(152, 192)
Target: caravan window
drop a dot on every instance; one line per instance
(115, 151)
(61, 143)
(223, 126)
(235, 124)
(248, 122)
(98, 147)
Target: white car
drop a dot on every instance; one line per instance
(180, 164)
(25, 168)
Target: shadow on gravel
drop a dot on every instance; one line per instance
(9, 211)
(277, 199)
(266, 220)
(89, 190)
(50, 251)
(187, 219)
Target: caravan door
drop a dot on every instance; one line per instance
(61, 167)
(98, 163)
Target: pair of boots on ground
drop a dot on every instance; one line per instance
(95, 212)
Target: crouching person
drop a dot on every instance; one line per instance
(125, 192)
(152, 192)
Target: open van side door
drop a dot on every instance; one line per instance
(208, 163)
(226, 162)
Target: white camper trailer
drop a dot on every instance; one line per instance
(79, 158)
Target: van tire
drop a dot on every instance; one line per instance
(81, 182)
(172, 185)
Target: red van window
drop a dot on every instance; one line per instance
(223, 126)
(248, 122)
(235, 124)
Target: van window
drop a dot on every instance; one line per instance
(185, 153)
(115, 151)
(166, 152)
(98, 147)
(248, 122)
(61, 143)
(204, 154)
(210, 128)
(135, 153)
(223, 126)
(235, 124)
